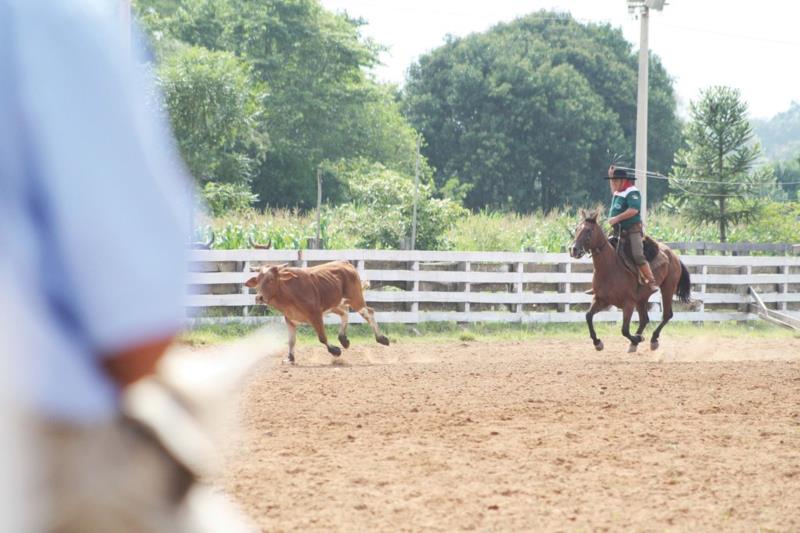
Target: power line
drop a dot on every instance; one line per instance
(710, 182)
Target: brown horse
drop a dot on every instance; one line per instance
(613, 284)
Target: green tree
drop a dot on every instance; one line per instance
(531, 112)
(213, 104)
(321, 106)
(715, 178)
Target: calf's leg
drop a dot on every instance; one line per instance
(369, 315)
(292, 339)
(342, 312)
(319, 327)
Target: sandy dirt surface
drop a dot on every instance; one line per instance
(538, 435)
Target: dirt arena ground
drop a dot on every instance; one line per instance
(538, 435)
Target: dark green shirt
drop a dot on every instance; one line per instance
(621, 202)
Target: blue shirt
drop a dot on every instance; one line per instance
(93, 204)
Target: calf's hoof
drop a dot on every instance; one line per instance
(383, 339)
(334, 351)
(598, 345)
(653, 345)
(345, 341)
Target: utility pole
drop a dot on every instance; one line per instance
(644, 7)
(416, 196)
(318, 244)
(641, 109)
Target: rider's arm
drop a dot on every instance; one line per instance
(625, 215)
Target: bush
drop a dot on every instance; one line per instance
(222, 198)
(381, 210)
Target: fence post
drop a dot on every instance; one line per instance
(467, 288)
(784, 287)
(565, 288)
(704, 272)
(245, 289)
(415, 290)
(745, 291)
(518, 286)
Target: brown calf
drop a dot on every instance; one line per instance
(304, 295)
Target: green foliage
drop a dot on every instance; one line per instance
(779, 222)
(715, 179)
(483, 231)
(321, 104)
(530, 113)
(787, 175)
(214, 107)
(496, 231)
(227, 197)
(381, 207)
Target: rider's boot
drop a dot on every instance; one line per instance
(650, 279)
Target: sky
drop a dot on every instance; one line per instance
(753, 46)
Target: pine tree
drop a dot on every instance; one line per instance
(715, 178)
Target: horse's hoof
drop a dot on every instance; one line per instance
(383, 339)
(632, 348)
(335, 351)
(289, 359)
(653, 345)
(345, 341)
(598, 346)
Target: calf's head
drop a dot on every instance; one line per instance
(267, 280)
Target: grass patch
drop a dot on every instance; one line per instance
(452, 332)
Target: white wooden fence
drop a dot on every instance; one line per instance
(421, 286)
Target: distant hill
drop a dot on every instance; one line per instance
(780, 135)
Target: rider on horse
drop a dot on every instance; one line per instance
(625, 218)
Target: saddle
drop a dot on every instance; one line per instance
(653, 252)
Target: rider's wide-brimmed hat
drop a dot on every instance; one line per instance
(622, 174)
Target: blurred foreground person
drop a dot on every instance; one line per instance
(93, 227)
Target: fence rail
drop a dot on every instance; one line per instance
(422, 286)
(737, 248)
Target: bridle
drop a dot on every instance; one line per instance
(588, 238)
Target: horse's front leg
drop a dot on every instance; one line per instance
(627, 313)
(644, 318)
(595, 308)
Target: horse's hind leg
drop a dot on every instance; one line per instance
(627, 313)
(666, 304)
(598, 344)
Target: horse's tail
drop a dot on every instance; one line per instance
(684, 292)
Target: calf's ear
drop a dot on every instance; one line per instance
(252, 282)
(286, 275)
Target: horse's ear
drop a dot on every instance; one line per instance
(583, 214)
(594, 214)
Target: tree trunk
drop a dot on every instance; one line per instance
(723, 222)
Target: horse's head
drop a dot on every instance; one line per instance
(588, 235)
